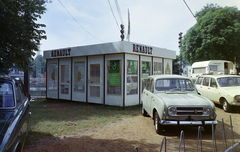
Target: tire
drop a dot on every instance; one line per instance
(144, 113)
(225, 105)
(208, 128)
(157, 125)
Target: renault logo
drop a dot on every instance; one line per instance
(195, 110)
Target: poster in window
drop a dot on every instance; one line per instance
(114, 73)
(132, 67)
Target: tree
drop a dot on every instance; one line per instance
(176, 66)
(19, 32)
(38, 66)
(216, 35)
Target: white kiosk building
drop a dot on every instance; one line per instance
(109, 73)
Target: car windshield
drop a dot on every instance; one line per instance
(174, 84)
(6, 95)
(229, 81)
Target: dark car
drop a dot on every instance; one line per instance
(14, 114)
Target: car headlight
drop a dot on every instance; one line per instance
(207, 111)
(237, 98)
(172, 111)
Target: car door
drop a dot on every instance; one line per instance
(152, 96)
(23, 108)
(145, 96)
(204, 87)
(198, 83)
(213, 91)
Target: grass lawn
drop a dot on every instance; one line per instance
(55, 118)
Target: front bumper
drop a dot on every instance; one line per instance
(164, 122)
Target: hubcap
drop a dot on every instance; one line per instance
(224, 106)
(156, 122)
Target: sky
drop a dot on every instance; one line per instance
(157, 23)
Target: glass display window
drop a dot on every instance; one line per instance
(145, 72)
(157, 68)
(132, 77)
(79, 77)
(52, 76)
(114, 69)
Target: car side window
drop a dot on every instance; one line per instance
(213, 83)
(148, 84)
(6, 95)
(20, 93)
(199, 80)
(152, 86)
(205, 81)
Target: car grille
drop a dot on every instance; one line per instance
(186, 111)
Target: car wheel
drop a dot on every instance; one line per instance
(208, 128)
(158, 126)
(144, 113)
(225, 105)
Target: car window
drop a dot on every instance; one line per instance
(174, 84)
(148, 84)
(213, 83)
(6, 95)
(199, 80)
(229, 81)
(20, 93)
(152, 86)
(205, 82)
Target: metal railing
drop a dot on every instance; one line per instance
(199, 140)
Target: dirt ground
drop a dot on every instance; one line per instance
(139, 132)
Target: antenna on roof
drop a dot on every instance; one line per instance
(128, 34)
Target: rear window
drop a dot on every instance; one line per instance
(6, 95)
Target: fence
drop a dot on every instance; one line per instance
(199, 140)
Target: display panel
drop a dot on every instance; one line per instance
(132, 77)
(52, 76)
(79, 77)
(114, 77)
(157, 68)
(145, 73)
(95, 73)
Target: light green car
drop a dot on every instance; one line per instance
(221, 89)
(174, 100)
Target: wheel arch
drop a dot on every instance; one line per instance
(18, 147)
(221, 100)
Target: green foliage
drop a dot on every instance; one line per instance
(19, 32)
(176, 66)
(38, 66)
(216, 35)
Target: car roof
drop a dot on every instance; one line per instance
(219, 76)
(168, 76)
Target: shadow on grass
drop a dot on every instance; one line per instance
(87, 143)
(60, 117)
(58, 110)
(35, 136)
